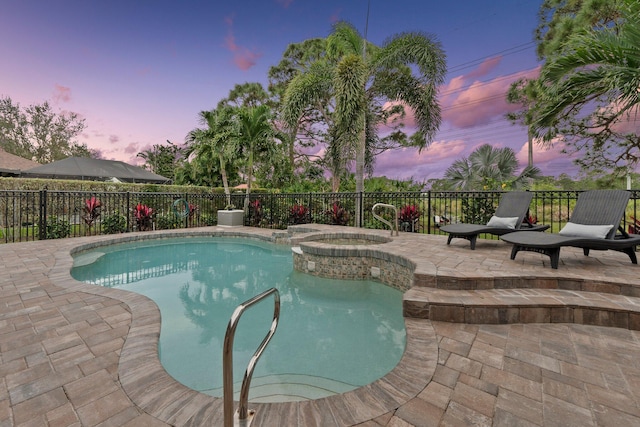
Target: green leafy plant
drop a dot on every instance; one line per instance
(114, 223)
(57, 228)
(167, 222)
(477, 210)
(207, 219)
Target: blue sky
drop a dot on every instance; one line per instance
(140, 71)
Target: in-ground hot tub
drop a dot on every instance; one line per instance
(352, 255)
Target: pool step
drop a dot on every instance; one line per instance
(289, 388)
(504, 306)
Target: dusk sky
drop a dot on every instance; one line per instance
(140, 71)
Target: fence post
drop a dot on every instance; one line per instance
(429, 212)
(42, 225)
(128, 214)
(360, 207)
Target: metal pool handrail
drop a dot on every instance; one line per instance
(244, 415)
(378, 217)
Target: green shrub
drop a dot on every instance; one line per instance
(207, 219)
(57, 228)
(477, 210)
(167, 222)
(114, 223)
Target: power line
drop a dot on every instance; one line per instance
(505, 52)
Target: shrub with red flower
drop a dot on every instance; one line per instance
(255, 212)
(91, 210)
(408, 217)
(298, 214)
(338, 215)
(144, 217)
(192, 210)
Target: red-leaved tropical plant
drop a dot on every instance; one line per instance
(255, 212)
(192, 210)
(299, 214)
(91, 210)
(408, 216)
(338, 214)
(144, 217)
(409, 213)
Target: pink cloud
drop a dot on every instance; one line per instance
(335, 16)
(246, 59)
(61, 94)
(485, 68)
(549, 158)
(284, 3)
(243, 57)
(132, 148)
(628, 122)
(113, 139)
(429, 163)
(476, 104)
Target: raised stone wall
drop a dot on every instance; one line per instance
(368, 266)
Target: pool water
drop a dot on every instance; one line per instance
(333, 335)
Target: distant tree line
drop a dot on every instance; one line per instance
(40, 134)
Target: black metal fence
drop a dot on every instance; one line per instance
(37, 215)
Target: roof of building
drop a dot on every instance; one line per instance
(85, 168)
(11, 165)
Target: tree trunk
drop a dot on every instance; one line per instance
(249, 179)
(225, 182)
(360, 154)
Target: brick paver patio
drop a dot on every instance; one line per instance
(76, 354)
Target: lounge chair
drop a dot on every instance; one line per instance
(510, 216)
(593, 225)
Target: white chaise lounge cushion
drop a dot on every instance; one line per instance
(590, 231)
(503, 222)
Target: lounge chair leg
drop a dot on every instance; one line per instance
(632, 254)
(554, 254)
(585, 251)
(473, 241)
(449, 239)
(514, 251)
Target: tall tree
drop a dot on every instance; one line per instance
(214, 144)
(524, 92)
(162, 159)
(39, 133)
(245, 95)
(590, 92)
(361, 77)
(489, 168)
(255, 138)
(558, 20)
(311, 127)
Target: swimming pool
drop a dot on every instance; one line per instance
(333, 336)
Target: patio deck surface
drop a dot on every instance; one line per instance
(490, 341)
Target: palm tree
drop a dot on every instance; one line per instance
(489, 168)
(594, 82)
(215, 143)
(254, 137)
(361, 77)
